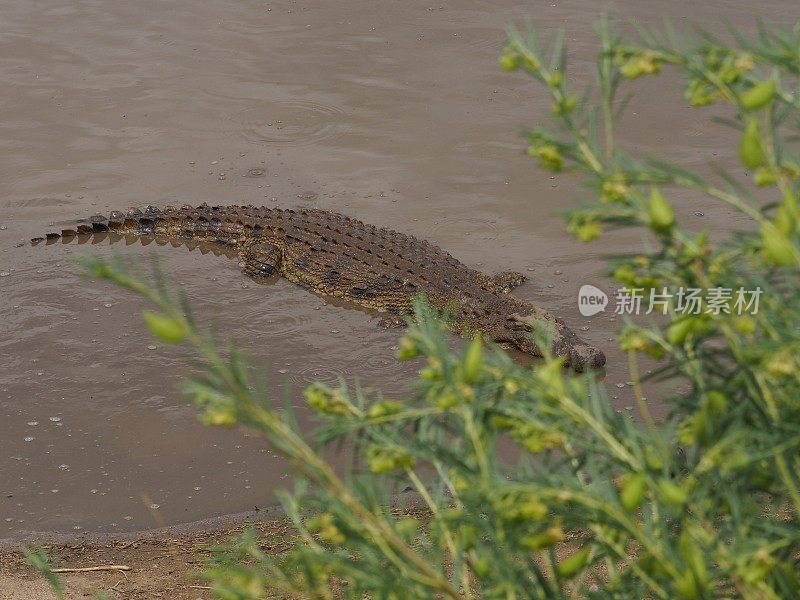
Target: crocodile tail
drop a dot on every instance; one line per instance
(186, 225)
(134, 221)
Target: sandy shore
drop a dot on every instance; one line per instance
(163, 563)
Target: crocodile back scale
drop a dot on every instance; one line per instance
(337, 256)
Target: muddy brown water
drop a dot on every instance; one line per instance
(395, 113)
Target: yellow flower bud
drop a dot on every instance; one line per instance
(554, 79)
(744, 324)
(221, 416)
(549, 537)
(386, 407)
(716, 402)
(787, 219)
(745, 62)
(482, 566)
(531, 509)
(759, 95)
(406, 349)
(781, 364)
(529, 62)
(765, 176)
(473, 359)
(671, 494)
(678, 331)
(777, 247)
(751, 149)
(572, 565)
(166, 329)
(660, 215)
(386, 458)
(614, 189)
(644, 63)
(509, 61)
(687, 586)
(550, 158)
(446, 399)
(564, 106)
(633, 491)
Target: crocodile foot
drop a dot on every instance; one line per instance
(392, 322)
(260, 259)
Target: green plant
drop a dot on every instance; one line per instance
(592, 505)
(39, 560)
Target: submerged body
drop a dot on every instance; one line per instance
(336, 256)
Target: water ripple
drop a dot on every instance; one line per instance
(293, 123)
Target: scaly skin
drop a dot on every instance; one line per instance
(336, 256)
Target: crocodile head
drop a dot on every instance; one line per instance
(517, 330)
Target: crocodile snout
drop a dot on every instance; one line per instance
(565, 343)
(584, 356)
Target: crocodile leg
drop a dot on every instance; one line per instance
(507, 280)
(260, 259)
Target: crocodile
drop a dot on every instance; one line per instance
(340, 257)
